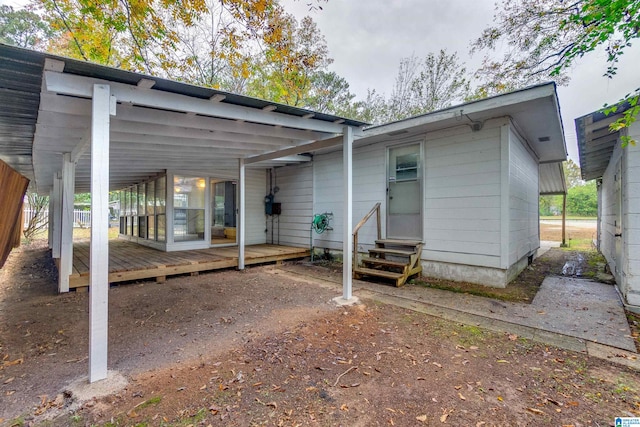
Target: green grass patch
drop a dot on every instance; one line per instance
(453, 287)
(188, 420)
(155, 401)
(579, 245)
(504, 294)
(16, 422)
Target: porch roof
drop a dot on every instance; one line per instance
(159, 123)
(596, 142)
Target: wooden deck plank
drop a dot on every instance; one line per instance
(130, 261)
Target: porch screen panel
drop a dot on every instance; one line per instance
(127, 211)
(142, 211)
(123, 215)
(134, 210)
(161, 209)
(151, 210)
(188, 208)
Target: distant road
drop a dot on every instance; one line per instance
(574, 223)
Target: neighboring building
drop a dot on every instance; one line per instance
(617, 171)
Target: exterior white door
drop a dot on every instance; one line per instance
(404, 193)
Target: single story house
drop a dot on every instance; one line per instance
(197, 168)
(617, 173)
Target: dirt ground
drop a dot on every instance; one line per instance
(259, 348)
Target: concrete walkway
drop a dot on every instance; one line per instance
(571, 313)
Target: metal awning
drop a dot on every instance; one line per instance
(159, 124)
(552, 179)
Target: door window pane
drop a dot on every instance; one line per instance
(188, 208)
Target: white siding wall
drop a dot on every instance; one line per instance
(523, 200)
(254, 213)
(462, 196)
(462, 187)
(296, 196)
(608, 217)
(631, 218)
(369, 187)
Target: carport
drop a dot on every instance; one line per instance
(70, 126)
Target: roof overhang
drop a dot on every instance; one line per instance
(535, 110)
(158, 124)
(596, 142)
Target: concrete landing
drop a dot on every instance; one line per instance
(569, 306)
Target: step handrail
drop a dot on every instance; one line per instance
(376, 210)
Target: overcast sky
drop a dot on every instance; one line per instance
(367, 39)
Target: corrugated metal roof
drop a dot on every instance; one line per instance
(552, 180)
(21, 81)
(596, 142)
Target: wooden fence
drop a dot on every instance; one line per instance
(13, 186)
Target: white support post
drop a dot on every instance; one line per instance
(66, 244)
(50, 219)
(347, 250)
(241, 212)
(56, 224)
(99, 250)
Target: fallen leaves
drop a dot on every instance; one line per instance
(274, 405)
(46, 404)
(6, 362)
(445, 415)
(536, 411)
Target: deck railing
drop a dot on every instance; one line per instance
(376, 210)
(81, 219)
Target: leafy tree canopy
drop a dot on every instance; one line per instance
(572, 174)
(422, 85)
(582, 200)
(541, 39)
(23, 28)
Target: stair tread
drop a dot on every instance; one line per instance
(391, 251)
(399, 242)
(386, 262)
(379, 273)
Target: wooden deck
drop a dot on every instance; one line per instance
(130, 261)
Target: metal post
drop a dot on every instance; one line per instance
(347, 250)
(241, 214)
(99, 253)
(564, 219)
